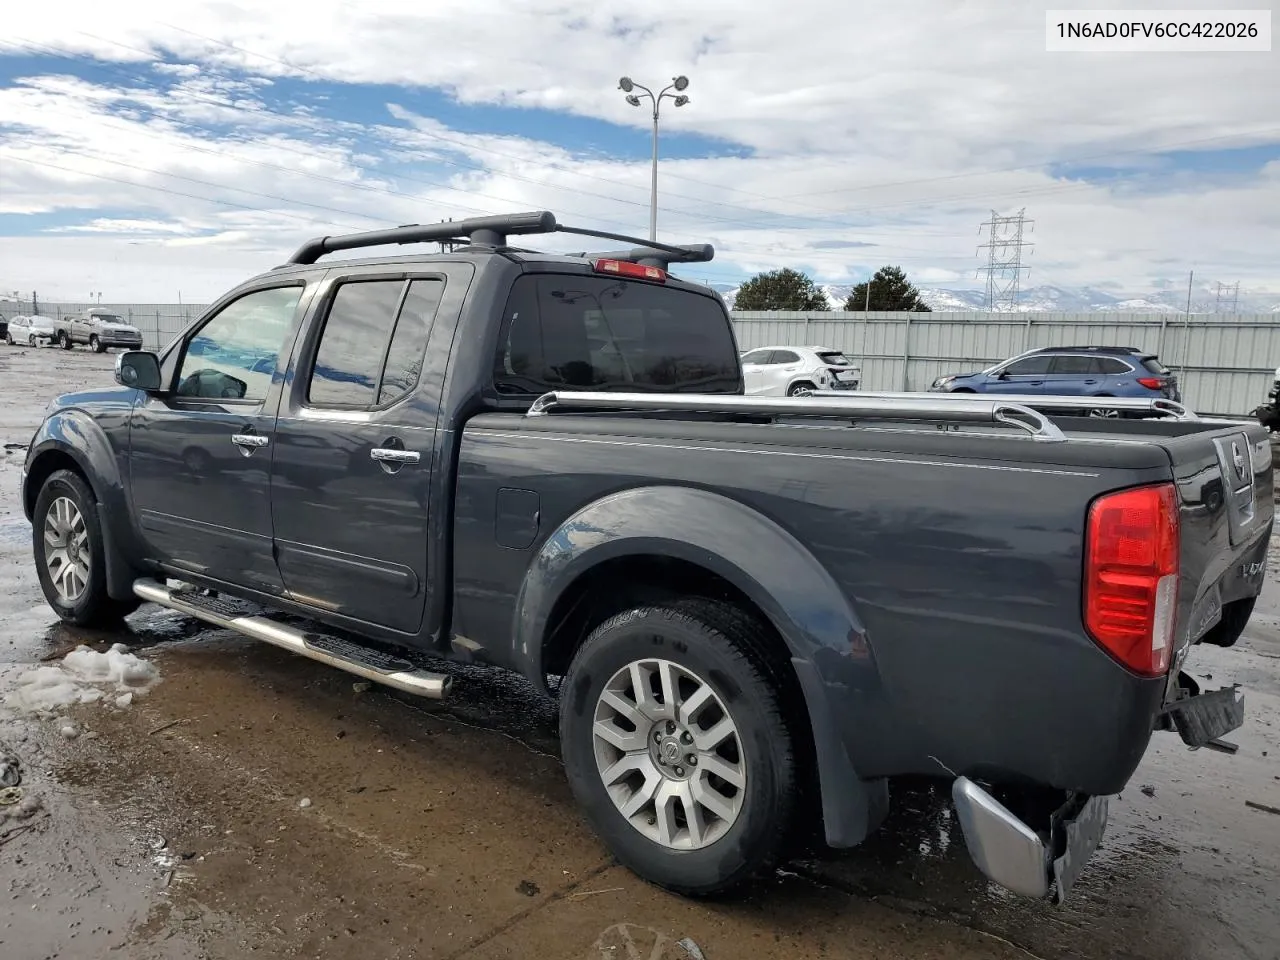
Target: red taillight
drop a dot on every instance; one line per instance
(1131, 575)
(1151, 383)
(625, 268)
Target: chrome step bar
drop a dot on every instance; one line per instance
(1160, 406)
(380, 668)
(883, 406)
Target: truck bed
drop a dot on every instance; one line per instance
(955, 555)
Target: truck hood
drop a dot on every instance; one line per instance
(94, 401)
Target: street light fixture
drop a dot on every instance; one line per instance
(627, 85)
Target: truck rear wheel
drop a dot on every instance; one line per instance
(676, 746)
(64, 340)
(70, 560)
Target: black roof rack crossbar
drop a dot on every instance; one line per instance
(493, 232)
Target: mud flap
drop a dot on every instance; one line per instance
(1201, 718)
(1076, 828)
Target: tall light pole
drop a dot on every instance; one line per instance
(629, 86)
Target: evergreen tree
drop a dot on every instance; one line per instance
(784, 289)
(890, 290)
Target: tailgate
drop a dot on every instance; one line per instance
(1224, 477)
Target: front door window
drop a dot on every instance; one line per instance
(234, 355)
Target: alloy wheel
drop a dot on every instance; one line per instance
(669, 754)
(66, 549)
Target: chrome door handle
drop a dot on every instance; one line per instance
(249, 440)
(387, 455)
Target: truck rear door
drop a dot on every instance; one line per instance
(355, 444)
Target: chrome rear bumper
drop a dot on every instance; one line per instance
(1023, 860)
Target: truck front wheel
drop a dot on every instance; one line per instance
(96, 344)
(70, 560)
(676, 746)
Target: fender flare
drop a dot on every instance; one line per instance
(77, 436)
(766, 563)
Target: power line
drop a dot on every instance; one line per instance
(1004, 259)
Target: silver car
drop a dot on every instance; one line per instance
(29, 331)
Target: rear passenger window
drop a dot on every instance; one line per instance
(1073, 365)
(575, 331)
(373, 342)
(409, 342)
(785, 356)
(1111, 366)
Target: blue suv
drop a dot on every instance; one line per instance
(1071, 372)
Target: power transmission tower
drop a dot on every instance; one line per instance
(1228, 296)
(1004, 259)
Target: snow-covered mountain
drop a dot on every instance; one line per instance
(1047, 298)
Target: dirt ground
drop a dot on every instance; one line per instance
(257, 804)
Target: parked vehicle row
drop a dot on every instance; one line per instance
(761, 608)
(96, 328)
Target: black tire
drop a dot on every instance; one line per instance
(93, 607)
(724, 649)
(795, 388)
(96, 345)
(32, 340)
(64, 340)
(8, 337)
(1235, 617)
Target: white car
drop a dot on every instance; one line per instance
(29, 331)
(786, 371)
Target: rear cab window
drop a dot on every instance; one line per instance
(584, 332)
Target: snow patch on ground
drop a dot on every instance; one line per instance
(83, 676)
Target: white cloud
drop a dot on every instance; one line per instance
(899, 125)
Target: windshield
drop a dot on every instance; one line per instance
(106, 318)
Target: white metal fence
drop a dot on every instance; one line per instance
(1225, 363)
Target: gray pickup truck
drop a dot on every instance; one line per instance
(753, 611)
(98, 329)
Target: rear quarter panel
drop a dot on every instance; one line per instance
(961, 555)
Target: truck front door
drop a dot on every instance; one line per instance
(200, 454)
(355, 442)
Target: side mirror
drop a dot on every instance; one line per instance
(139, 369)
(1002, 375)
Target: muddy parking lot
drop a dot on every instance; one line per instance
(251, 803)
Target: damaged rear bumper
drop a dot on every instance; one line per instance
(1201, 718)
(1026, 861)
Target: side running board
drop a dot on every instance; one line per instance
(336, 652)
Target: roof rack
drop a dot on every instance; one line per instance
(494, 231)
(1096, 348)
(904, 406)
(1156, 405)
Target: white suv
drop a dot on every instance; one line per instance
(786, 371)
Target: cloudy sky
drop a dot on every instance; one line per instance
(151, 149)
